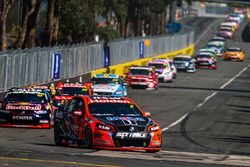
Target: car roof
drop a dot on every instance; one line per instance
(160, 61)
(182, 56)
(107, 99)
(72, 85)
(141, 67)
(26, 91)
(234, 48)
(205, 53)
(106, 76)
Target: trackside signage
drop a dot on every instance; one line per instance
(56, 65)
(141, 49)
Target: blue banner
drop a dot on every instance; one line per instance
(141, 49)
(56, 66)
(106, 56)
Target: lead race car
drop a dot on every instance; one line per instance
(103, 122)
(108, 84)
(27, 107)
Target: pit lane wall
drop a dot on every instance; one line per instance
(122, 69)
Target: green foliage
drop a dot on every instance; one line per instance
(77, 21)
(107, 33)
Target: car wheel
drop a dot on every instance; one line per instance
(58, 135)
(88, 138)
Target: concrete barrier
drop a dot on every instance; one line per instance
(122, 69)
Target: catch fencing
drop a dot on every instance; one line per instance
(37, 66)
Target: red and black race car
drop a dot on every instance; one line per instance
(104, 122)
(142, 77)
(27, 107)
(68, 90)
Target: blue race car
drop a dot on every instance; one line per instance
(220, 49)
(109, 85)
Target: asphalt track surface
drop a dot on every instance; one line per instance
(204, 117)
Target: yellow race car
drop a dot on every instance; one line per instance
(234, 53)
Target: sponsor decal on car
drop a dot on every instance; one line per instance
(19, 117)
(21, 107)
(125, 118)
(123, 135)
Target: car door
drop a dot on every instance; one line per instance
(68, 119)
(78, 115)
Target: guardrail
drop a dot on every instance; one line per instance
(40, 65)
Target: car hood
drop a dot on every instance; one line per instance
(124, 120)
(139, 76)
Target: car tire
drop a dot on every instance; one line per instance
(88, 138)
(152, 151)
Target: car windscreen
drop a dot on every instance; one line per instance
(139, 72)
(157, 65)
(74, 91)
(233, 50)
(25, 97)
(225, 29)
(114, 109)
(105, 80)
(181, 59)
(212, 46)
(203, 56)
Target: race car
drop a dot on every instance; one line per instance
(229, 25)
(165, 69)
(211, 50)
(237, 17)
(226, 32)
(142, 77)
(27, 107)
(220, 41)
(109, 85)
(217, 47)
(205, 60)
(69, 90)
(234, 53)
(105, 122)
(185, 63)
(51, 89)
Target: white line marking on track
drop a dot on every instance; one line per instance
(175, 123)
(205, 100)
(174, 156)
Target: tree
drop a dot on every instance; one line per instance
(4, 10)
(28, 9)
(77, 24)
(29, 41)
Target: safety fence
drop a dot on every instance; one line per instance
(43, 65)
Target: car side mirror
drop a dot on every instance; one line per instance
(77, 113)
(146, 114)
